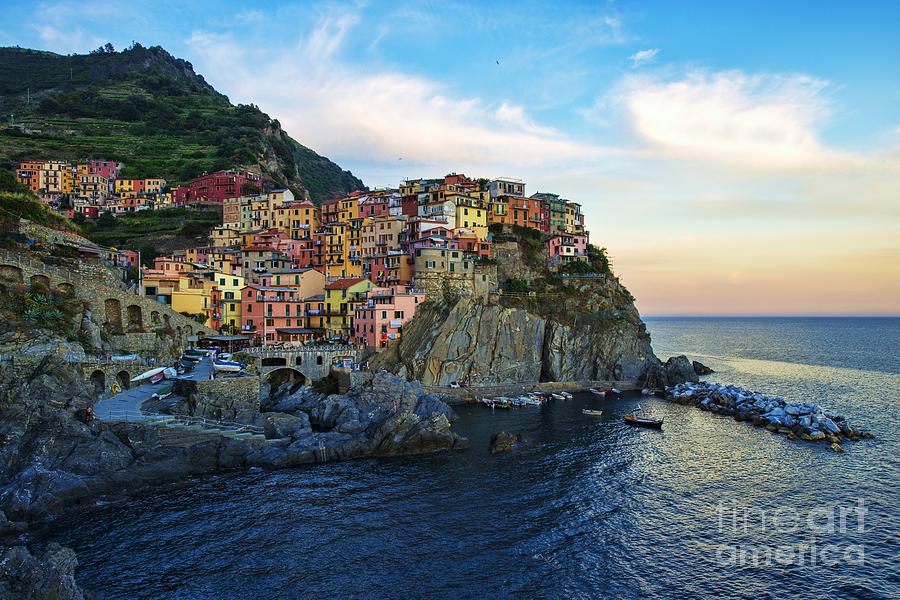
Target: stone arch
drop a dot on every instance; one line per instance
(113, 311)
(299, 360)
(319, 359)
(11, 274)
(40, 282)
(66, 288)
(135, 318)
(123, 379)
(154, 317)
(98, 382)
(274, 361)
(285, 374)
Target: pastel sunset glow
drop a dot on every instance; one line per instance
(733, 160)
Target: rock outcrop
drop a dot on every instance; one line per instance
(50, 576)
(50, 460)
(485, 344)
(506, 442)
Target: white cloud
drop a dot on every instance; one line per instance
(643, 57)
(765, 121)
(379, 115)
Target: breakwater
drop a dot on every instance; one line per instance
(805, 421)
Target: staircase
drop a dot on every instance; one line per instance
(184, 431)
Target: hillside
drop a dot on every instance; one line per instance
(150, 110)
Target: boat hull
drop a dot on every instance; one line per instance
(645, 423)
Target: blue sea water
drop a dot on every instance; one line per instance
(708, 507)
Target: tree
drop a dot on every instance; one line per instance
(106, 220)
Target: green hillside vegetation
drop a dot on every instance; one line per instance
(153, 231)
(17, 202)
(147, 109)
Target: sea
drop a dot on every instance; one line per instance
(589, 508)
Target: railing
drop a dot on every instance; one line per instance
(328, 348)
(137, 417)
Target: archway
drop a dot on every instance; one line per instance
(11, 274)
(123, 379)
(113, 311)
(274, 361)
(284, 375)
(66, 288)
(135, 318)
(40, 283)
(299, 360)
(98, 382)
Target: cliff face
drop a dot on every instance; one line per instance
(487, 344)
(561, 328)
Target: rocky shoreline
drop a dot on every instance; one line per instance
(803, 421)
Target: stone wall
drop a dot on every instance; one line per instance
(134, 323)
(224, 399)
(448, 287)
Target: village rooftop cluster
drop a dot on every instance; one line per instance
(281, 270)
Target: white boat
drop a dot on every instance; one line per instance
(557, 397)
(228, 366)
(593, 413)
(148, 374)
(170, 373)
(566, 395)
(598, 392)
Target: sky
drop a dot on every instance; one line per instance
(734, 157)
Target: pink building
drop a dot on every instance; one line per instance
(380, 322)
(566, 247)
(105, 168)
(272, 314)
(373, 206)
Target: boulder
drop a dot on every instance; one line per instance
(282, 425)
(505, 441)
(48, 577)
(700, 369)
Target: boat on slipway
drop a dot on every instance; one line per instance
(228, 366)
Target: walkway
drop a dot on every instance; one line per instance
(126, 405)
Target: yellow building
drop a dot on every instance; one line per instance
(192, 296)
(230, 285)
(471, 215)
(342, 298)
(298, 219)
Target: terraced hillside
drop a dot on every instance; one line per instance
(150, 110)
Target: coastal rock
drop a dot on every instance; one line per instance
(505, 441)
(48, 577)
(278, 425)
(483, 343)
(700, 369)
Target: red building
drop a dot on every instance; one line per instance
(105, 168)
(215, 187)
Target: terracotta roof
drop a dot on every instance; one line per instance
(343, 284)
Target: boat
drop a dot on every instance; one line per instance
(557, 397)
(157, 378)
(648, 392)
(228, 366)
(566, 395)
(593, 413)
(615, 391)
(637, 420)
(601, 391)
(149, 374)
(170, 373)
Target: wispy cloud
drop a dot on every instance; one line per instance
(643, 57)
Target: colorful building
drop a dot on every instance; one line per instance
(380, 320)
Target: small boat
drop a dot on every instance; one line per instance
(601, 391)
(566, 395)
(149, 374)
(648, 392)
(557, 397)
(615, 391)
(196, 352)
(637, 420)
(157, 378)
(228, 366)
(593, 413)
(170, 373)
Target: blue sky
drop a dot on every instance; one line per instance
(735, 158)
